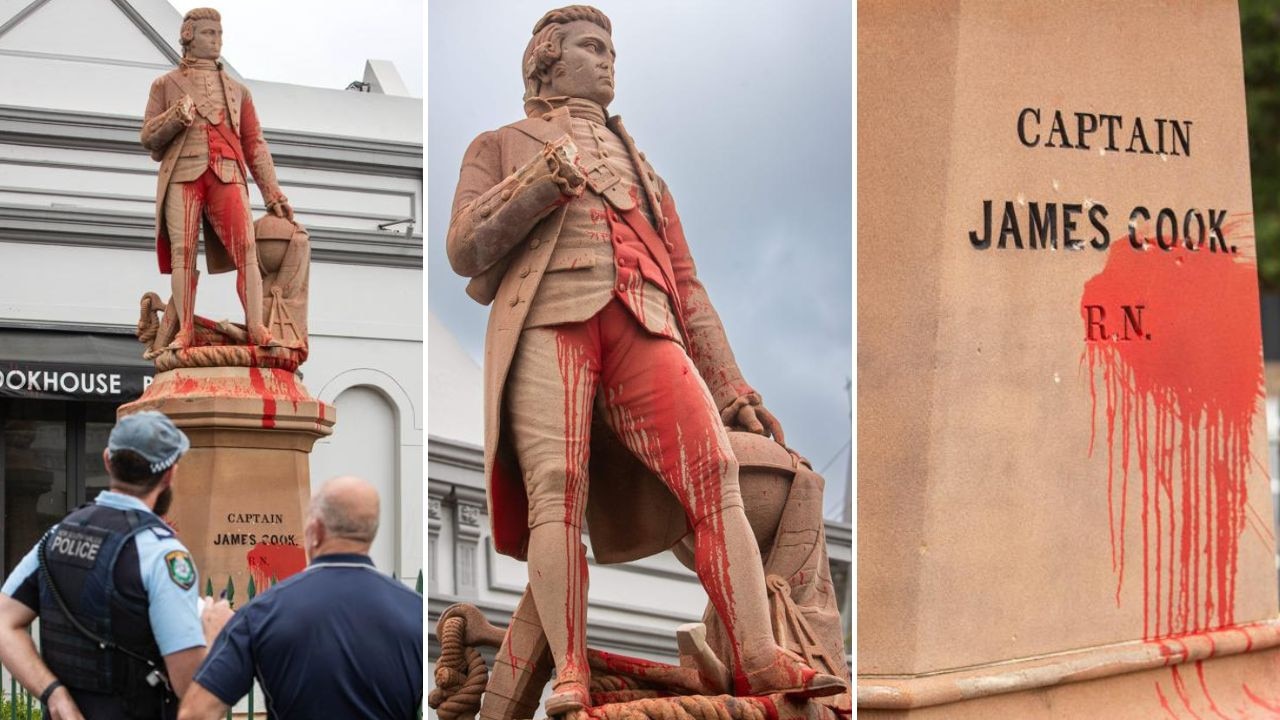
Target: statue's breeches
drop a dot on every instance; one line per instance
(224, 205)
(652, 398)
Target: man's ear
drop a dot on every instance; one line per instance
(106, 460)
(314, 530)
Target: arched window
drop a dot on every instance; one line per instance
(366, 444)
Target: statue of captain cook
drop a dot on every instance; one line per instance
(202, 126)
(600, 334)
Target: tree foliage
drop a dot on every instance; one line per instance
(1260, 33)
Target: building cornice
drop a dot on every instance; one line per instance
(130, 231)
(618, 637)
(454, 452)
(119, 133)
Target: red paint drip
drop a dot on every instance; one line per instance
(511, 657)
(1181, 689)
(1204, 687)
(286, 385)
(267, 561)
(1164, 702)
(1248, 640)
(633, 666)
(192, 201)
(1253, 697)
(259, 384)
(579, 379)
(770, 709)
(1182, 386)
(1272, 707)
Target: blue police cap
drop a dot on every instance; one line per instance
(153, 436)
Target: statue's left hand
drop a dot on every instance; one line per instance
(283, 209)
(747, 412)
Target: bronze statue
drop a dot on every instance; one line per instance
(202, 127)
(602, 335)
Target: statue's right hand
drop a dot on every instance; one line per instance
(187, 110)
(562, 158)
(565, 146)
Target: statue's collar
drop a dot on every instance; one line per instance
(199, 64)
(578, 107)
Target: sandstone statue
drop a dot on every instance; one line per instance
(610, 385)
(201, 125)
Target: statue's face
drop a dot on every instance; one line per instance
(207, 43)
(585, 68)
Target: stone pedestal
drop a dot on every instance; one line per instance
(1063, 505)
(240, 494)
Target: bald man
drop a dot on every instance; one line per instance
(339, 639)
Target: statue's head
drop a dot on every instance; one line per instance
(571, 54)
(202, 34)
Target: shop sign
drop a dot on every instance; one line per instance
(66, 381)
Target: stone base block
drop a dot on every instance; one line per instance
(1228, 673)
(240, 494)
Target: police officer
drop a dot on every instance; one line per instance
(115, 591)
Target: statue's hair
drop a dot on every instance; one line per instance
(189, 23)
(545, 46)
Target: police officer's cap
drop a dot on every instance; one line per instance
(153, 436)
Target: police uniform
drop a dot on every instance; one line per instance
(125, 577)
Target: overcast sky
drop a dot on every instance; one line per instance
(321, 43)
(744, 107)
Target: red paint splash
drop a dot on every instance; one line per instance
(267, 561)
(1181, 387)
(664, 415)
(184, 385)
(286, 385)
(259, 384)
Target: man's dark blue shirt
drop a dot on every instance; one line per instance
(339, 640)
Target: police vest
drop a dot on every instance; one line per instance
(81, 556)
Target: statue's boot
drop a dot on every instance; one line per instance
(727, 560)
(558, 578)
(788, 674)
